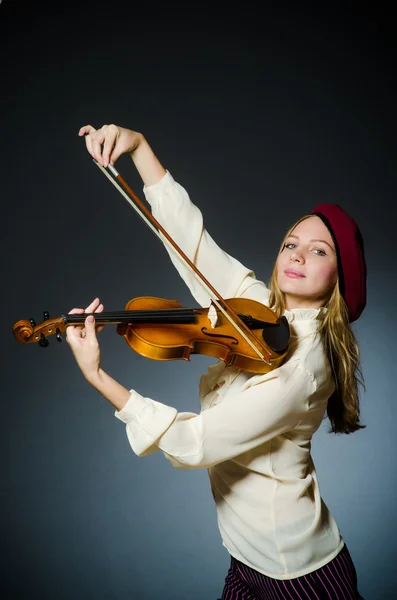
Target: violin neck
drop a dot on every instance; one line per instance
(166, 315)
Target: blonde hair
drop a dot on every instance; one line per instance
(342, 351)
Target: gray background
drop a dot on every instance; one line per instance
(260, 117)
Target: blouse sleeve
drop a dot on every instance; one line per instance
(266, 407)
(183, 221)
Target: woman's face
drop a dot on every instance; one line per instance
(307, 268)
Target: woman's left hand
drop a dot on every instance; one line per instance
(83, 341)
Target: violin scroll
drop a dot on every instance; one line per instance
(28, 332)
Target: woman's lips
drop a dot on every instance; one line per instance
(293, 274)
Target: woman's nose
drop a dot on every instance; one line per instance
(296, 256)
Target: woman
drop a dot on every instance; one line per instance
(254, 432)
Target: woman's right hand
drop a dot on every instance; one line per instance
(109, 142)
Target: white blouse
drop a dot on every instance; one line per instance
(254, 432)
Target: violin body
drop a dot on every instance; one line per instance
(178, 341)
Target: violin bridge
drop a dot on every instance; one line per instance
(212, 316)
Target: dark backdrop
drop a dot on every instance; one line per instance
(260, 115)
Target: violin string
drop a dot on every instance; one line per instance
(160, 311)
(158, 234)
(147, 313)
(160, 316)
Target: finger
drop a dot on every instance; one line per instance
(74, 330)
(93, 306)
(99, 310)
(115, 154)
(117, 150)
(88, 145)
(86, 129)
(109, 144)
(90, 333)
(97, 141)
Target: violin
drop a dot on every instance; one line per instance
(243, 333)
(164, 330)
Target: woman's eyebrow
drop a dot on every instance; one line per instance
(323, 241)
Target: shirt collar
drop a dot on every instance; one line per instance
(304, 314)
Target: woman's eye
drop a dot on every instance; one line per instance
(320, 252)
(290, 246)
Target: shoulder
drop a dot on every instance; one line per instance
(312, 358)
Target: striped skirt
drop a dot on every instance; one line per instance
(337, 580)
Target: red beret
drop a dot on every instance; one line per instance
(349, 247)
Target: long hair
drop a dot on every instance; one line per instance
(342, 351)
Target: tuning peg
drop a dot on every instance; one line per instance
(43, 342)
(46, 315)
(58, 335)
(32, 322)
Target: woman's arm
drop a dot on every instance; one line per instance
(270, 405)
(181, 219)
(83, 342)
(239, 423)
